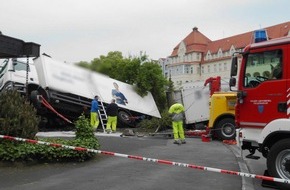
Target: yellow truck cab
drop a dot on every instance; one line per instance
(222, 115)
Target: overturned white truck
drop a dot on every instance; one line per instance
(69, 89)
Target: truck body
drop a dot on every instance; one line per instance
(209, 107)
(195, 99)
(262, 108)
(70, 89)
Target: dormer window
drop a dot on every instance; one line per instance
(220, 53)
(182, 49)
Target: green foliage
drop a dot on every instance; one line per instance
(127, 71)
(150, 78)
(84, 64)
(17, 116)
(107, 64)
(84, 129)
(151, 124)
(21, 151)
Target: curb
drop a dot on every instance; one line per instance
(247, 183)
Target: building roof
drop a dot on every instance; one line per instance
(195, 41)
(198, 42)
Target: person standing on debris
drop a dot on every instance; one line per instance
(94, 113)
(112, 112)
(177, 111)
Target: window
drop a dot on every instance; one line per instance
(20, 66)
(186, 69)
(262, 67)
(3, 67)
(220, 53)
(220, 67)
(198, 56)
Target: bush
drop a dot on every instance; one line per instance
(21, 151)
(151, 124)
(17, 116)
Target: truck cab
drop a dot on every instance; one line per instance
(222, 115)
(13, 74)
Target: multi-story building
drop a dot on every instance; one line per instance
(196, 57)
(163, 63)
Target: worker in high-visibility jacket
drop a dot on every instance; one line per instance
(177, 113)
(94, 113)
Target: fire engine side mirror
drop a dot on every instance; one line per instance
(233, 82)
(234, 66)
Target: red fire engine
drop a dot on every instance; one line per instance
(262, 109)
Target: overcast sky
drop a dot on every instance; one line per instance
(81, 30)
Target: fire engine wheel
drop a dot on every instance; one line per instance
(226, 129)
(278, 161)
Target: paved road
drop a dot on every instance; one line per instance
(107, 172)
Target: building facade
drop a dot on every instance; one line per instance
(197, 58)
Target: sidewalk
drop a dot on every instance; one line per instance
(72, 134)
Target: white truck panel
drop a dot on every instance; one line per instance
(104, 86)
(63, 77)
(196, 104)
(195, 98)
(73, 79)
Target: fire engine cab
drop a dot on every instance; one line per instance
(263, 97)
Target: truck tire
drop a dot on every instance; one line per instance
(124, 119)
(33, 98)
(278, 162)
(226, 129)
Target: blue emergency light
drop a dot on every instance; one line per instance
(260, 35)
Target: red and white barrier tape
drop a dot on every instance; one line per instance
(267, 178)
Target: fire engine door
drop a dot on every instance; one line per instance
(263, 88)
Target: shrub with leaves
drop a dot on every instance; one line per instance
(84, 129)
(17, 116)
(151, 124)
(21, 151)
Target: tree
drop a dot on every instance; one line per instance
(107, 64)
(84, 64)
(150, 79)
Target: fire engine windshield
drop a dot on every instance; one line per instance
(263, 66)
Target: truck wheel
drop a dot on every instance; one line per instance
(124, 119)
(278, 161)
(34, 100)
(226, 129)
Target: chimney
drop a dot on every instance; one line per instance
(195, 29)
